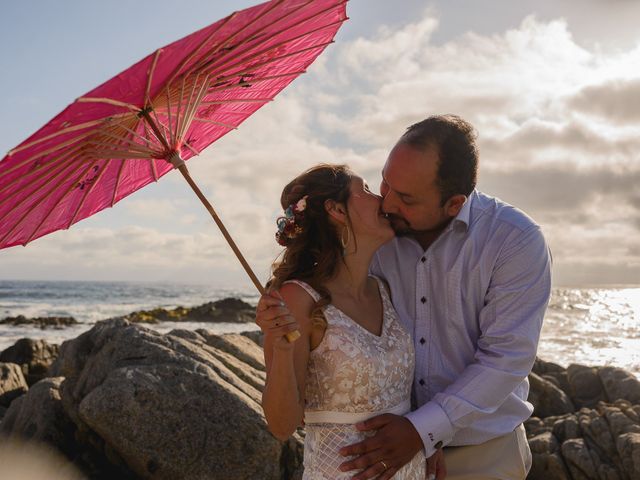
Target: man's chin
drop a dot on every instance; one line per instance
(400, 228)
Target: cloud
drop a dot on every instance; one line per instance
(615, 101)
(558, 126)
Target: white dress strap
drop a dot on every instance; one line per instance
(307, 288)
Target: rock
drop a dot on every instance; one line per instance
(256, 336)
(548, 466)
(237, 345)
(12, 383)
(628, 445)
(39, 415)
(172, 406)
(547, 399)
(567, 427)
(540, 367)
(34, 356)
(577, 457)
(618, 420)
(544, 443)
(585, 385)
(42, 322)
(619, 384)
(231, 310)
(535, 426)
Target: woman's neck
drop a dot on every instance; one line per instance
(351, 278)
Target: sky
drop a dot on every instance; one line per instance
(553, 89)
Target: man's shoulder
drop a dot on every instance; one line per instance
(488, 209)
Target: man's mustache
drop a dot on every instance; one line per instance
(393, 217)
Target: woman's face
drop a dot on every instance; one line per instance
(365, 212)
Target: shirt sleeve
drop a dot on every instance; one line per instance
(510, 322)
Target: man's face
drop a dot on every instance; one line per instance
(411, 197)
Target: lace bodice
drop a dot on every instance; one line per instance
(353, 371)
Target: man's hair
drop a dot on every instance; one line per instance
(455, 142)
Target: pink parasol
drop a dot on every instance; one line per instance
(165, 109)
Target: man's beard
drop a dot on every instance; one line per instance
(402, 228)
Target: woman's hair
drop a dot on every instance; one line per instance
(313, 253)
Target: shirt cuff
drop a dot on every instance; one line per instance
(433, 426)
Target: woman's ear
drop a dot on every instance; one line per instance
(336, 210)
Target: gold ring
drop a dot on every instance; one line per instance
(384, 465)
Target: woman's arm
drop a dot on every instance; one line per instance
(286, 363)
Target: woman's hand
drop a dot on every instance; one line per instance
(436, 468)
(275, 320)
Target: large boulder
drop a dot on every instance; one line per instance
(586, 388)
(172, 406)
(34, 356)
(39, 416)
(547, 399)
(12, 383)
(619, 384)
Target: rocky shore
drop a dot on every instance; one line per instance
(123, 401)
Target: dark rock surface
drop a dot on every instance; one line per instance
(12, 383)
(34, 357)
(140, 404)
(42, 322)
(230, 310)
(599, 439)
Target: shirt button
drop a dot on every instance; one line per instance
(422, 340)
(438, 445)
(423, 299)
(421, 382)
(423, 259)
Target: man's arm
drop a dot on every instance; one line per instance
(510, 322)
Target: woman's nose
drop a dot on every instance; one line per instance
(387, 203)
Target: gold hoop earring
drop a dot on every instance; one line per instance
(344, 243)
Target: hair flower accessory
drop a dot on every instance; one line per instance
(289, 226)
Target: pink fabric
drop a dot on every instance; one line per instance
(47, 184)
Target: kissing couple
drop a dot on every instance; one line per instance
(419, 312)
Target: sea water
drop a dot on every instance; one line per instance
(586, 325)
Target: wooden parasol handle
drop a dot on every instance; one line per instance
(180, 165)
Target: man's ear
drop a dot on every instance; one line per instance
(336, 210)
(454, 204)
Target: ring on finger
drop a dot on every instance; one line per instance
(384, 465)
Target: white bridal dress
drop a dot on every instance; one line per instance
(354, 375)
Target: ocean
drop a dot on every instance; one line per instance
(590, 326)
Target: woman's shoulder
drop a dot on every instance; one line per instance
(299, 297)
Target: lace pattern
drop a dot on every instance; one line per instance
(353, 370)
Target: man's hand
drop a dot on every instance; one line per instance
(395, 443)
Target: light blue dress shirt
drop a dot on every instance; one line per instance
(474, 302)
